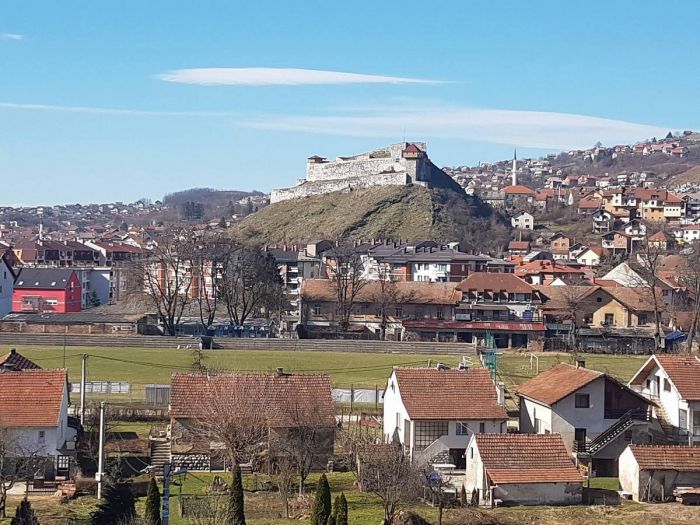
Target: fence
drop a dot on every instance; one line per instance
(358, 395)
(103, 387)
(158, 394)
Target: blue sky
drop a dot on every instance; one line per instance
(103, 101)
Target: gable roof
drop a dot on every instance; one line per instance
(43, 278)
(556, 383)
(429, 393)
(192, 394)
(410, 292)
(526, 458)
(519, 245)
(518, 189)
(31, 398)
(16, 361)
(667, 457)
(494, 281)
(684, 371)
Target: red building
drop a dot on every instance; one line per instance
(46, 290)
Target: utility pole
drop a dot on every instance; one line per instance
(165, 515)
(83, 376)
(100, 461)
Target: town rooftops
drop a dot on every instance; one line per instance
(518, 245)
(684, 371)
(31, 398)
(429, 393)
(43, 278)
(411, 292)
(667, 457)
(588, 203)
(518, 189)
(482, 281)
(282, 398)
(16, 361)
(526, 458)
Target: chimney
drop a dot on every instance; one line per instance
(280, 371)
(501, 393)
(580, 362)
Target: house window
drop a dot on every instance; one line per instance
(462, 428)
(582, 401)
(642, 319)
(683, 419)
(42, 437)
(609, 319)
(538, 425)
(317, 309)
(399, 312)
(696, 423)
(471, 453)
(482, 428)
(667, 385)
(440, 315)
(429, 431)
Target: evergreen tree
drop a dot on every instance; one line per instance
(24, 515)
(342, 511)
(463, 497)
(117, 506)
(236, 511)
(153, 504)
(332, 519)
(322, 504)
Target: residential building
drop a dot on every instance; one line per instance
(602, 221)
(690, 233)
(7, 282)
(47, 290)
(518, 195)
(653, 473)
(521, 469)
(546, 272)
(588, 206)
(283, 402)
(34, 413)
(518, 248)
(673, 383)
(591, 410)
(523, 221)
(590, 256)
(434, 412)
(559, 245)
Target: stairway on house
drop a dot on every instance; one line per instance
(615, 430)
(660, 412)
(160, 454)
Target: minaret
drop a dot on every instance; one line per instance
(515, 167)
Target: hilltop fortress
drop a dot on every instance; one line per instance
(395, 165)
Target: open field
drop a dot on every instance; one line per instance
(264, 508)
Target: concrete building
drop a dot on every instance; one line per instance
(523, 221)
(519, 469)
(652, 473)
(7, 280)
(434, 412)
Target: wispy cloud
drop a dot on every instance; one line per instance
(114, 111)
(534, 129)
(11, 36)
(270, 76)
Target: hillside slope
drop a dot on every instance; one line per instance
(398, 212)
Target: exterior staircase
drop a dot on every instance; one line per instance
(670, 431)
(603, 439)
(160, 454)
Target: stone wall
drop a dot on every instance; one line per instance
(309, 188)
(346, 169)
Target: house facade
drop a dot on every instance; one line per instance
(47, 290)
(7, 281)
(673, 383)
(521, 469)
(434, 412)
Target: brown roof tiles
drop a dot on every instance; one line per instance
(684, 371)
(16, 361)
(428, 393)
(556, 383)
(526, 458)
(667, 457)
(31, 398)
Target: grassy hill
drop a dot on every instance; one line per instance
(398, 212)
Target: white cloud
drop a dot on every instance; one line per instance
(270, 76)
(11, 36)
(114, 111)
(534, 129)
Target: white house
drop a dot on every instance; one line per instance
(673, 382)
(521, 469)
(34, 413)
(651, 473)
(523, 221)
(691, 232)
(590, 256)
(591, 411)
(433, 412)
(7, 280)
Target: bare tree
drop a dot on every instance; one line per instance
(691, 278)
(348, 277)
(211, 509)
(386, 472)
(250, 282)
(573, 298)
(207, 259)
(437, 485)
(167, 278)
(386, 295)
(17, 462)
(650, 257)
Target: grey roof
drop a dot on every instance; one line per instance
(72, 318)
(43, 278)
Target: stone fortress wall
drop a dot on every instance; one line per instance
(396, 164)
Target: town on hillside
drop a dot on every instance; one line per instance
(155, 351)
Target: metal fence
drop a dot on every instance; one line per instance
(358, 395)
(158, 394)
(103, 387)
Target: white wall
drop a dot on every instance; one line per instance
(628, 473)
(393, 405)
(6, 288)
(539, 493)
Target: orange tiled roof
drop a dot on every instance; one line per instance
(518, 189)
(414, 292)
(31, 398)
(428, 393)
(684, 371)
(667, 457)
(556, 383)
(193, 394)
(526, 458)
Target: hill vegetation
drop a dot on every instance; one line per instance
(396, 212)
